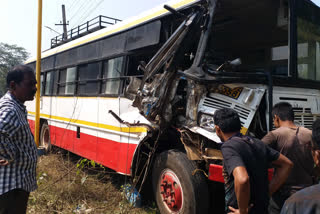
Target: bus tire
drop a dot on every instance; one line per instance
(176, 189)
(45, 142)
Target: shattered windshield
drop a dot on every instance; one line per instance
(255, 31)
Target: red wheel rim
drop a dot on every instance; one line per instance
(171, 191)
(45, 138)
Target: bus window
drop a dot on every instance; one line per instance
(55, 82)
(33, 66)
(62, 82)
(42, 84)
(49, 83)
(279, 57)
(67, 81)
(308, 29)
(88, 80)
(112, 70)
(134, 62)
(70, 80)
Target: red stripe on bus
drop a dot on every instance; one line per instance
(114, 155)
(270, 174)
(215, 173)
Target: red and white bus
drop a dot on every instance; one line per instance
(138, 96)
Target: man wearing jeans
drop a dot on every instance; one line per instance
(18, 152)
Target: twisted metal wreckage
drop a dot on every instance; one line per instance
(171, 98)
(190, 77)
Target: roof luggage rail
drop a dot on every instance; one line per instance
(93, 25)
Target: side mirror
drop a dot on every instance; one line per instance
(235, 62)
(228, 65)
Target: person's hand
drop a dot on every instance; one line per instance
(316, 157)
(3, 162)
(237, 211)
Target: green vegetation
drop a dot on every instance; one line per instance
(10, 55)
(68, 183)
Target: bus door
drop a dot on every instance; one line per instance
(48, 107)
(87, 110)
(109, 136)
(66, 112)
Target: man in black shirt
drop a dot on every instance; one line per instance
(246, 162)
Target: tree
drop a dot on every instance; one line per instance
(10, 55)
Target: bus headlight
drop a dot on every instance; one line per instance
(206, 121)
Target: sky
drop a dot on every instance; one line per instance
(18, 18)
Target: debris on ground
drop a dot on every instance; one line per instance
(68, 184)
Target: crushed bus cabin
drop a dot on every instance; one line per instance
(138, 95)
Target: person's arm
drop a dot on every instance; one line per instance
(283, 166)
(8, 127)
(7, 151)
(242, 188)
(316, 157)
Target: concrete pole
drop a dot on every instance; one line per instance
(64, 23)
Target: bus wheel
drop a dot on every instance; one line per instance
(45, 137)
(176, 189)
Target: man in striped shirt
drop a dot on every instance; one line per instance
(18, 152)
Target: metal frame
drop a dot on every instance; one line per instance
(94, 24)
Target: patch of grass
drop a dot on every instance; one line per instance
(64, 187)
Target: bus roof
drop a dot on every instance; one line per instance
(134, 21)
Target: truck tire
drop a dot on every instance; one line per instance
(45, 142)
(176, 189)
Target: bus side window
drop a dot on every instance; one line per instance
(134, 62)
(112, 70)
(308, 53)
(71, 80)
(42, 84)
(49, 83)
(62, 82)
(55, 82)
(279, 58)
(88, 80)
(67, 81)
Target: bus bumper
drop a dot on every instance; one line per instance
(216, 174)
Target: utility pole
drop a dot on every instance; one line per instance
(65, 36)
(64, 23)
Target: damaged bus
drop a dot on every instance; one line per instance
(138, 95)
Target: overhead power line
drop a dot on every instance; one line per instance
(79, 9)
(51, 29)
(86, 15)
(88, 7)
(71, 6)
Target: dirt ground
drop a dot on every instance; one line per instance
(70, 184)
